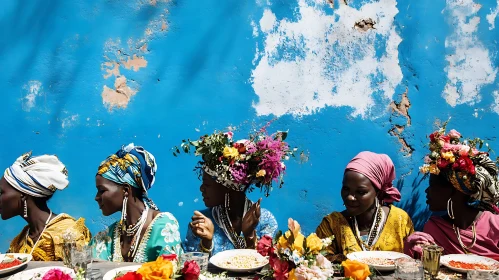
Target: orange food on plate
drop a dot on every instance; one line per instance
(465, 265)
(10, 264)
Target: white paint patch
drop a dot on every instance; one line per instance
(69, 121)
(196, 200)
(255, 28)
(320, 60)
(159, 135)
(491, 18)
(32, 89)
(180, 203)
(495, 107)
(470, 66)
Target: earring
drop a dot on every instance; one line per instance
(123, 212)
(450, 210)
(377, 202)
(25, 211)
(227, 201)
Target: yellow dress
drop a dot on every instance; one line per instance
(49, 248)
(398, 225)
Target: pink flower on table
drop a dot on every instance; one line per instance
(264, 246)
(56, 274)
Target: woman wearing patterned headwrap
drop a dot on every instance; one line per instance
(463, 182)
(25, 188)
(143, 233)
(370, 221)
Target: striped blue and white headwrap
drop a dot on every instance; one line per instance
(38, 176)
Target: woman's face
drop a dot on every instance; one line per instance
(212, 191)
(109, 195)
(10, 200)
(438, 193)
(358, 193)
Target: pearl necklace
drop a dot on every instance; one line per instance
(41, 233)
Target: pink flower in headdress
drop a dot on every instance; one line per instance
(454, 134)
(229, 134)
(239, 172)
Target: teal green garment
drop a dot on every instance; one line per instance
(161, 237)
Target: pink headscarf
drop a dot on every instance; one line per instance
(379, 169)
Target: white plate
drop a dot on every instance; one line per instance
(444, 260)
(28, 274)
(362, 256)
(219, 258)
(10, 269)
(113, 272)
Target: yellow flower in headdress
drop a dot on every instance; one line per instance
(230, 152)
(261, 173)
(449, 156)
(434, 169)
(425, 168)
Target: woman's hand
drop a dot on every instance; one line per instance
(202, 227)
(251, 219)
(414, 242)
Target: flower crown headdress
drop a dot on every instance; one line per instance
(255, 161)
(457, 160)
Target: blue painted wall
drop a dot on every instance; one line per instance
(81, 78)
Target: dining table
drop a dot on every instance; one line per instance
(100, 268)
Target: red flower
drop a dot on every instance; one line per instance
(170, 257)
(442, 163)
(281, 269)
(130, 276)
(464, 164)
(191, 270)
(264, 246)
(432, 136)
(445, 138)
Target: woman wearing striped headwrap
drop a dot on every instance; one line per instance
(25, 188)
(464, 184)
(143, 233)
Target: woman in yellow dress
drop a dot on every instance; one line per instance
(25, 188)
(370, 222)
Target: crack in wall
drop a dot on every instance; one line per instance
(397, 130)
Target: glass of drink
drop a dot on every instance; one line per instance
(431, 259)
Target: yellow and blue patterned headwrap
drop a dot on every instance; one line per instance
(131, 165)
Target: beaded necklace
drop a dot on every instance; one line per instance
(374, 232)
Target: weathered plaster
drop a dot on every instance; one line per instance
(327, 64)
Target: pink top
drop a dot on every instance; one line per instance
(487, 236)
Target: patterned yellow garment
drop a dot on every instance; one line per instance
(398, 225)
(49, 248)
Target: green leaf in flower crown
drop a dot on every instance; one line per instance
(277, 236)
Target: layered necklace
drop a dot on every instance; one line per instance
(458, 234)
(221, 217)
(374, 232)
(131, 230)
(40, 236)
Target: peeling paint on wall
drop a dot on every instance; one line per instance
(130, 57)
(491, 18)
(317, 61)
(31, 90)
(119, 96)
(470, 66)
(69, 121)
(397, 130)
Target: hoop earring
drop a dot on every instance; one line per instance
(25, 206)
(377, 202)
(450, 210)
(123, 212)
(227, 201)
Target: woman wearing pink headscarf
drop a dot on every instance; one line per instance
(370, 222)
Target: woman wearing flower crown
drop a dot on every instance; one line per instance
(228, 170)
(370, 221)
(143, 233)
(25, 188)
(463, 182)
